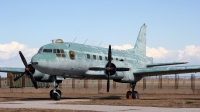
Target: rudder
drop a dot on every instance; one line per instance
(140, 45)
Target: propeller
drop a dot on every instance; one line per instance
(27, 71)
(110, 68)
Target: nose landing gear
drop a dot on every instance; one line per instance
(55, 94)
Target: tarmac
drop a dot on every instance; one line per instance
(50, 104)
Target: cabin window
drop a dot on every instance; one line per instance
(94, 57)
(47, 50)
(88, 56)
(121, 60)
(117, 59)
(106, 58)
(100, 57)
(72, 54)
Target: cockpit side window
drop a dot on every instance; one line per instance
(58, 50)
(47, 50)
(40, 50)
(54, 50)
(62, 51)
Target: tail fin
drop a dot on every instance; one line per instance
(140, 45)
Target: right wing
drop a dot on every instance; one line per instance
(12, 70)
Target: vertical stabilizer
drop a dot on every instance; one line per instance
(140, 45)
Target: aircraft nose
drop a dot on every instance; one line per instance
(36, 59)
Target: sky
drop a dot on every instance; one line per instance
(173, 26)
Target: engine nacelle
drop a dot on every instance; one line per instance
(41, 77)
(129, 78)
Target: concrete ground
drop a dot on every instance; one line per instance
(50, 104)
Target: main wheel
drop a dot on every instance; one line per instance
(128, 94)
(135, 95)
(51, 94)
(56, 96)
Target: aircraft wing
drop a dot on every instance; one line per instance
(153, 71)
(164, 64)
(12, 70)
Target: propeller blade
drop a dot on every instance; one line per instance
(108, 83)
(109, 55)
(122, 69)
(23, 59)
(96, 68)
(19, 76)
(33, 80)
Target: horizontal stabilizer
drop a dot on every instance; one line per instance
(154, 71)
(164, 64)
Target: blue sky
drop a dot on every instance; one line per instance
(171, 24)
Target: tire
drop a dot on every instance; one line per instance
(59, 92)
(56, 96)
(135, 95)
(51, 94)
(128, 93)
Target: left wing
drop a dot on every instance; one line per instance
(12, 70)
(166, 70)
(164, 64)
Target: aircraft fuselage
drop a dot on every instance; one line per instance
(72, 60)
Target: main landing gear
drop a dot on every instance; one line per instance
(55, 94)
(134, 94)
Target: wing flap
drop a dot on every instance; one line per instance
(166, 70)
(12, 70)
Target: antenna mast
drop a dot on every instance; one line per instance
(85, 42)
(74, 39)
(100, 44)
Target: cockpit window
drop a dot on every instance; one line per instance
(47, 50)
(62, 51)
(58, 50)
(54, 50)
(40, 50)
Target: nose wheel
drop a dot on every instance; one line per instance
(55, 94)
(52, 94)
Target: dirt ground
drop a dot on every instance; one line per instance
(150, 100)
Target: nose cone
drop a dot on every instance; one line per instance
(36, 61)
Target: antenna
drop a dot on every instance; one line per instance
(74, 39)
(99, 44)
(53, 40)
(85, 42)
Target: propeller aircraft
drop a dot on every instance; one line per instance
(59, 60)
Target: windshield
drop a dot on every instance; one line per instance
(47, 50)
(40, 50)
